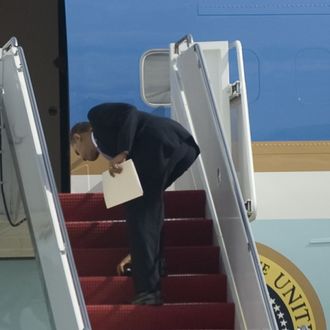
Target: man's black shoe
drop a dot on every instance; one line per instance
(148, 298)
(162, 269)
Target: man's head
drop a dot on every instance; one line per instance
(81, 141)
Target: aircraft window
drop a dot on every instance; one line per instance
(155, 78)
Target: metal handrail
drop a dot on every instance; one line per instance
(187, 38)
(62, 237)
(57, 238)
(10, 43)
(237, 193)
(251, 204)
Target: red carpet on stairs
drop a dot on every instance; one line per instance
(194, 291)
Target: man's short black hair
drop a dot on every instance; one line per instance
(79, 128)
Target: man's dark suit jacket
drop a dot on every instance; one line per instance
(151, 141)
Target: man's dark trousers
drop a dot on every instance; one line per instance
(145, 218)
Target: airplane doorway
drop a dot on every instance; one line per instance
(39, 27)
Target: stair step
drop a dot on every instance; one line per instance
(195, 297)
(175, 289)
(90, 206)
(180, 260)
(166, 317)
(106, 234)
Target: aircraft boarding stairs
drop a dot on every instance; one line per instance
(194, 291)
(214, 280)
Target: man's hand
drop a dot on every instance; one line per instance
(121, 266)
(114, 167)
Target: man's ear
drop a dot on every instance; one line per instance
(76, 137)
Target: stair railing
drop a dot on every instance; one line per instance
(27, 148)
(197, 73)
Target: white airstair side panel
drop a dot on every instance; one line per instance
(195, 107)
(38, 192)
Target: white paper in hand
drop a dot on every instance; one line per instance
(124, 187)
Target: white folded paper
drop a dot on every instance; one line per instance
(123, 187)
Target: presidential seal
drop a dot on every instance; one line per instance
(294, 301)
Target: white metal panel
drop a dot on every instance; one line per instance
(233, 115)
(216, 62)
(25, 136)
(196, 108)
(15, 240)
(293, 195)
